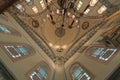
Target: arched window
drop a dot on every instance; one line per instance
(42, 3)
(4, 29)
(102, 9)
(79, 5)
(35, 9)
(17, 51)
(8, 30)
(39, 72)
(101, 52)
(20, 7)
(79, 73)
(29, 1)
(93, 2)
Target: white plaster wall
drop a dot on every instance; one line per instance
(21, 67)
(100, 71)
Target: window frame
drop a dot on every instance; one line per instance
(5, 28)
(102, 9)
(93, 3)
(44, 65)
(72, 67)
(78, 5)
(31, 50)
(34, 8)
(13, 31)
(42, 4)
(20, 7)
(100, 58)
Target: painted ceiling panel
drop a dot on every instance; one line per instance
(64, 30)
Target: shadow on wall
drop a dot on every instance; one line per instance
(4, 73)
(115, 75)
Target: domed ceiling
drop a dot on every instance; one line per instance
(63, 26)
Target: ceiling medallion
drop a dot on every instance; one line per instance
(85, 25)
(60, 32)
(60, 50)
(35, 23)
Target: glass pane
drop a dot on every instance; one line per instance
(22, 50)
(20, 7)
(34, 76)
(39, 74)
(79, 5)
(102, 9)
(12, 51)
(93, 2)
(104, 53)
(42, 72)
(97, 52)
(77, 73)
(87, 11)
(42, 4)
(4, 29)
(35, 9)
(80, 74)
(107, 54)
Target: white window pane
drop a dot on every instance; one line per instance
(97, 52)
(93, 2)
(103, 53)
(35, 9)
(20, 7)
(4, 29)
(42, 4)
(107, 54)
(40, 73)
(79, 5)
(86, 75)
(34, 74)
(16, 51)
(77, 73)
(22, 50)
(102, 9)
(12, 51)
(87, 11)
(28, 1)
